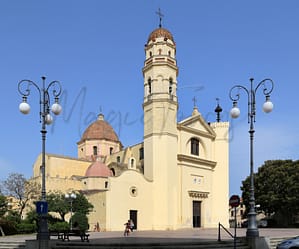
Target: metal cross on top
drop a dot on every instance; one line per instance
(194, 101)
(159, 13)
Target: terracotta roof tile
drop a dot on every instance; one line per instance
(98, 169)
(160, 32)
(99, 129)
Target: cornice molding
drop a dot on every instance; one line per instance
(196, 132)
(171, 100)
(219, 124)
(198, 194)
(160, 133)
(185, 124)
(197, 161)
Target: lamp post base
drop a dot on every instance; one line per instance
(251, 233)
(252, 228)
(43, 231)
(43, 244)
(40, 244)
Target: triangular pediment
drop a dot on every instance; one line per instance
(197, 124)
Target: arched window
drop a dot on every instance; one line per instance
(169, 53)
(170, 85)
(141, 153)
(194, 146)
(118, 159)
(149, 85)
(132, 162)
(113, 171)
(111, 150)
(95, 150)
(160, 51)
(150, 54)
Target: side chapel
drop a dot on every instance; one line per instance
(177, 177)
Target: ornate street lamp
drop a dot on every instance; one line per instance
(71, 197)
(234, 94)
(24, 88)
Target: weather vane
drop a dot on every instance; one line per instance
(159, 13)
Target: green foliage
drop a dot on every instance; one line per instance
(81, 204)
(31, 216)
(23, 228)
(58, 204)
(276, 189)
(11, 221)
(80, 221)
(13, 224)
(13, 217)
(53, 219)
(80, 208)
(3, 205)
(9, 227)
(59, 226)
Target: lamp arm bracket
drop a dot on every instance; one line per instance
(25, 91)
(56, 92)
(266, 90)
(234, 94)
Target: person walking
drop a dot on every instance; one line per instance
(127, 228)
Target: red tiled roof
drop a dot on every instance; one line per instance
(98, 169)
(160, 32)
(100, 129)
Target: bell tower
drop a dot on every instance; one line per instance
(160, 107)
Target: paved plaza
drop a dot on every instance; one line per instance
(193, 234)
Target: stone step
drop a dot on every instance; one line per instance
(275, 241)
(12, 245)
(155, 245)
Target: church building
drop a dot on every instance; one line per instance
(177, 177)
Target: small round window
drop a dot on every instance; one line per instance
(133, 191)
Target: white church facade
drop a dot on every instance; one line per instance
(177, 177)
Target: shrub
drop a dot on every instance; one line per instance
(31, 217)
(13, 216)
(59, 226)
(24, 228)
(80, 221)
(8, 227)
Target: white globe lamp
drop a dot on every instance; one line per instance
(56, 108)
(235, 111)
(48, 119)
(268, 105)
(24, 107)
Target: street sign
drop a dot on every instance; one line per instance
(42, 207)
(234, 201)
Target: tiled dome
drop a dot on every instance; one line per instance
(100, 129)
(98, 169)
(160, 32)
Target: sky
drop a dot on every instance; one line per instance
(95, 49)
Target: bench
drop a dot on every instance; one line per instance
(58, 234)
(76, 233)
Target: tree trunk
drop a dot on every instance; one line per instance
(2, 232)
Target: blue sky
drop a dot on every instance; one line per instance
(96, 50)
